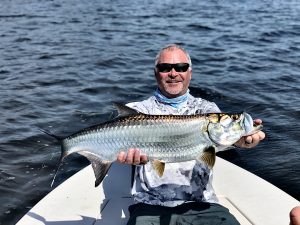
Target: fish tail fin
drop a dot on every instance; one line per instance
(63, 155)
(58, 138)
(57, 169)
(100, 166)
(63, 152)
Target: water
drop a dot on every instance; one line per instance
(63, 63)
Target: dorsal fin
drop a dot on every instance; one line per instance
(124, 110)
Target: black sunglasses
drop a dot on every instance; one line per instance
(167, 67)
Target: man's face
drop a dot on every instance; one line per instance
(173, 84)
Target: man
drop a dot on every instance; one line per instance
(184, 194)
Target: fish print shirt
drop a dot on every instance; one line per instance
(181, 182)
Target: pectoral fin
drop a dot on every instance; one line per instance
(100, 167)
(209, 156)
(159, 166)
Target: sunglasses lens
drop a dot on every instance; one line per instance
(166, 67)
(181, 67)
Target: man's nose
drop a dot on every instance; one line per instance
(173, 72)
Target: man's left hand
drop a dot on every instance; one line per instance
(252, 140)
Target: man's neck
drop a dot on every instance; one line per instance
(174, 102)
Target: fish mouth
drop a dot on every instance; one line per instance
(256, 128)
(249, 126)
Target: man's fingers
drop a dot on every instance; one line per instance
(144, 159)
(248, 140)
(130, 155)
(133, 156)
(136, 157)
(261, 135)
(121, 157)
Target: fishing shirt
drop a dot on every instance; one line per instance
(181, 182)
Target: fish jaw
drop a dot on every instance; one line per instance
(226, 129)
(250, 127)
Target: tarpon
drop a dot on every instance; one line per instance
(163, 138)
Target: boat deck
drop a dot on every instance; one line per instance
(76, 201)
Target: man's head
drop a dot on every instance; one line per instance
(173, 80)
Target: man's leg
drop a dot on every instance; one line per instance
(143, 214)
(205, 214)
(188, 213)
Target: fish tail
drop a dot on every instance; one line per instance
(60, 162)
(63, 152)
(58, 138)
(56, 171)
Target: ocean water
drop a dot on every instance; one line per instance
(63, 63)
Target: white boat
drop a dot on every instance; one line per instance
(76, 201)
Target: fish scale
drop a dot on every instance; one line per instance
(156, 139)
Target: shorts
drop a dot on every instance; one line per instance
(195, 213)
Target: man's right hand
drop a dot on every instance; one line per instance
(133, 157)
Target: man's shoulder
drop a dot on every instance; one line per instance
(142, 106)
(202, 106)
(193, 106)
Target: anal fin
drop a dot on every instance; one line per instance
(100, 167)
(209, 156)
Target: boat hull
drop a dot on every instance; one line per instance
(249, 198)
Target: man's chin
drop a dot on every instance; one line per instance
(173, 93)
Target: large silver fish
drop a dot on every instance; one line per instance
(163, 138)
